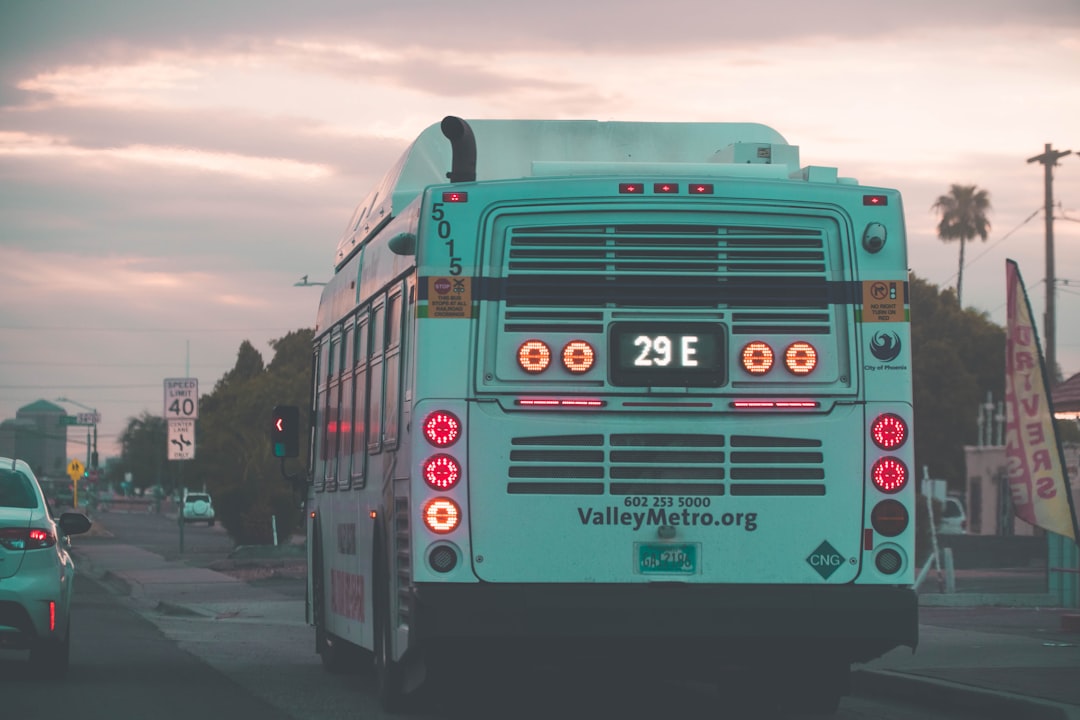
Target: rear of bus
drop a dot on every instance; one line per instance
(663, 410)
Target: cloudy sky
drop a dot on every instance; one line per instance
(169, 170)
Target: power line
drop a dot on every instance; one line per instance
(103, 365)
(73, 328)
(993, 245)
(56, 386)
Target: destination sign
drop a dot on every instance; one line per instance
(666, 354)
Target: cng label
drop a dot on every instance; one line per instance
(825, 560)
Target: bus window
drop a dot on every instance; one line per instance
(345, 433)
(375, 386)
(375, 406)
(333, 412)
(321, 393)
(360, 395)
(392, 365)
(347, 346)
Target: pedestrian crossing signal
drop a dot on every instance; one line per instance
(285, 431)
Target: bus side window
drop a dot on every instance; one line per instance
(345, 432)
(392, 397)
(333, 411)
(322, 382)
(375, 387)
(360, 407)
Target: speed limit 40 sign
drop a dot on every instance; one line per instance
(181, 399)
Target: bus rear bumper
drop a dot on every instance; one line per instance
(851, 623)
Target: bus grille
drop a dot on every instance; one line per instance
(665, 464)
(772, 279)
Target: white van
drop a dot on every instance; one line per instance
(953, 519)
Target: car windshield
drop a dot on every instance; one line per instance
(197, 498)
(16, 490)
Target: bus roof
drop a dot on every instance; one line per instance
(507, 149)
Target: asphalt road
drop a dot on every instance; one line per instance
(123, 667)
(131, 662)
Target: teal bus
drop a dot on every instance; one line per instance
(614, 392)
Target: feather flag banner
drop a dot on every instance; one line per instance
(1037, 482)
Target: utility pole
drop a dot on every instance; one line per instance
(1049, 159)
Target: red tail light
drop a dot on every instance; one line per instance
(889, 431)
(442, 429)
(442, 472)
(26, 538)
(889, 474)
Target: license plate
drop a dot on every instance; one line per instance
(667, 559)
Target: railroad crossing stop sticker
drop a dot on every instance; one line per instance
(883, 301)
(449, 297)
(825, 560)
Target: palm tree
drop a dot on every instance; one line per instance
(963, 217)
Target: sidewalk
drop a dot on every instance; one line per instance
(1002, 661)
(173, 587)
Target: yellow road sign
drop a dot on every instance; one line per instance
(75, 469)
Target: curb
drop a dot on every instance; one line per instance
(991, 704)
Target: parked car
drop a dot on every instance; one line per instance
(198, 507)
(953, 516)
(36, 571)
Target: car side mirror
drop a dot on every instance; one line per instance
(73, 523)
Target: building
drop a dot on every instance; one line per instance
(37, 436)
(989, 506)
(1066, 399)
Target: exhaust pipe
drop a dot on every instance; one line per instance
(462, 147)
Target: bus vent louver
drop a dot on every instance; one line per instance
(775, 278)
(773, 466)
(402, 557)
(665, 464)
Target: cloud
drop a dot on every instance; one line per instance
(168, 171)
(161, 158)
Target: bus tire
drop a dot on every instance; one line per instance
(387, 671)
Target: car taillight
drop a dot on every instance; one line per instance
(889, 474)
(442, 515)
(888, 431)
(441, 472)
(441, 428)
(26, 538)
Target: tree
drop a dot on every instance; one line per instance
(142, 453)
(958, 356)
(963, 217)
(233, 460)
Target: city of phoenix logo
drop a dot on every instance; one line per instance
(885, 346)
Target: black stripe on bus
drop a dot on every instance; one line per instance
(582, 291)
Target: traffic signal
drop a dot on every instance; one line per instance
(285, 431)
